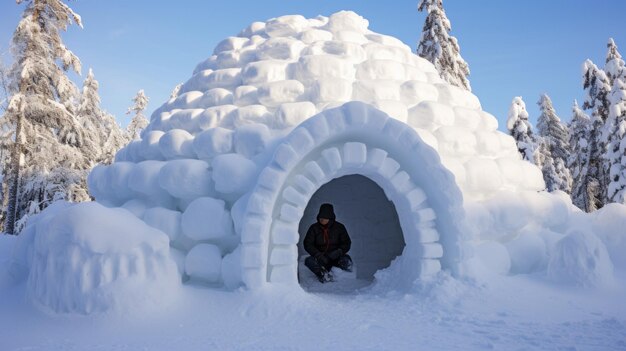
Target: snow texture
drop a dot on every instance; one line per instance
(87, 258)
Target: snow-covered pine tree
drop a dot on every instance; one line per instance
(597, 88)
(139, 121)
(520, 129)
(555, 137)
(583, 193)
(104, 135)
(616, 147)
(439, 47)
(615, 66)
(46, 158)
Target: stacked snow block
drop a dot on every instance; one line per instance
(192, 173)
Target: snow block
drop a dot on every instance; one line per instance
(354, 154)
(213, 116)
(260, 72)
(374, 90)
(213, 142)
(177, 143)
(347, 20)
(187, 179)
(229, 44)
(455, 141)
(283, 26)
(413, 92)
(204, 263)
(311, 36)
(144, 177)
(246, 95)
(150, 145)
(276, 93)
(284, 274)
(283, 233)
(206, 218)
(165, 220)
(430, 115)
(310, 68)
(284, 255)
(250, 140)
(280, 49)
(292, 114)
(233, 173)
(247, 115)
(325, 90)
(214, 97)
(381, 70)
(231, 269)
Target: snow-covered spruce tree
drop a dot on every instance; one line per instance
(521, 130)
(555, 136)
(615, 66)
(439, 47)
(583, 185)
(616, 143)
(46, 161)
(596, 85)
(139, 121)
(104, 136)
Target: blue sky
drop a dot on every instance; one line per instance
(513, 47)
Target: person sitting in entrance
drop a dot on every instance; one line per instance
(328, 242)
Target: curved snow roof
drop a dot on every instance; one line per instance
(281, 72)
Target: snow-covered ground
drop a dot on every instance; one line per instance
(506, 313)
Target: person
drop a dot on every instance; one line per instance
(327, 242)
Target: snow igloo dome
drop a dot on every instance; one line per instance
(294, 112)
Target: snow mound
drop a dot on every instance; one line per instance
(88, 258)
(582, 259)
(609, 223)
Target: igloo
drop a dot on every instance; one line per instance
(228, 167)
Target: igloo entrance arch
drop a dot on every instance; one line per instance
(370, 218)
(353, 139)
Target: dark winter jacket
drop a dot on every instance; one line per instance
(321, 240)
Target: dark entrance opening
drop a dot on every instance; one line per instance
(372, 223)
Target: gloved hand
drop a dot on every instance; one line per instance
(322, 259)
(335, 254)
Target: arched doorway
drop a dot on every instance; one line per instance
(370, 218)
(353, 139)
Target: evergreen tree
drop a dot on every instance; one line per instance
(439, 47)
(615, 66)
(46, 159)
(583, 185)
(139, 121)
(520, 129)
(555, 148)
(105, 136)
(596, 85)
(616, 146)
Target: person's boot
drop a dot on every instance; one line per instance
(329, 276)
